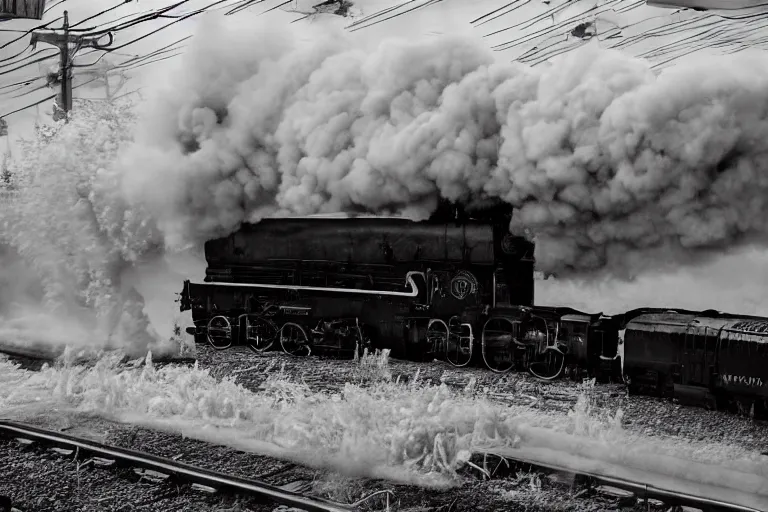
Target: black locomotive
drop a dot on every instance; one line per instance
(459, 287)
(341, 284)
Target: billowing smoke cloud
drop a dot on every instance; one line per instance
(602, 158)
(606, 162)
(70, 250)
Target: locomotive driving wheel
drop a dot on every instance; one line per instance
(260, 333)
(437, 338)
(498, 345)
(458, 348)
(294, 340)
(550, 366)
(219, 332)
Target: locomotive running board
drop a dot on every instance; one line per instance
(352, 291)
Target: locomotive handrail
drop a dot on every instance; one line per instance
(408, 280)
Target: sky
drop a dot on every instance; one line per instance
(530, 31)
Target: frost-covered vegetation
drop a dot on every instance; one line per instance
(408, 432)
(69, 225)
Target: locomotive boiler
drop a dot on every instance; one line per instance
(342, 283)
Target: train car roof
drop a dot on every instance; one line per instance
(753, 330)
(568, 313)
(561, 312)
(727, 326)
(662, 321)
(320, 217)
(339, 215)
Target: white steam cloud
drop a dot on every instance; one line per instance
(607, 164)
(602, 158)
(69, 259)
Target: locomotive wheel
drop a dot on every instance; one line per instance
(437, 338)
(260, 333)
(497, 342)
(551, 367)
(219, 332)
(294, 339)
(458, 348)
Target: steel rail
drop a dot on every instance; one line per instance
(641, 490)
(214, 479)
(124, 456)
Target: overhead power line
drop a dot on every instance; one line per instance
(62, 41)
(92, 36)
(100, 37)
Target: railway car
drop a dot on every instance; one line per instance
(708, 358)
(342, 283)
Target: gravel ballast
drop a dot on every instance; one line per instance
(38, 479)
(506, 491)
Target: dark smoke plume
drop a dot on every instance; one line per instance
(603, 159)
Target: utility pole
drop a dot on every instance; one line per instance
(66, 77)
(6, 176)
(62, 41)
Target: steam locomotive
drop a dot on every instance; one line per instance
(459, 287)
(343, 284)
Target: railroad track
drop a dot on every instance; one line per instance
(167, 468)
(633, 490)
